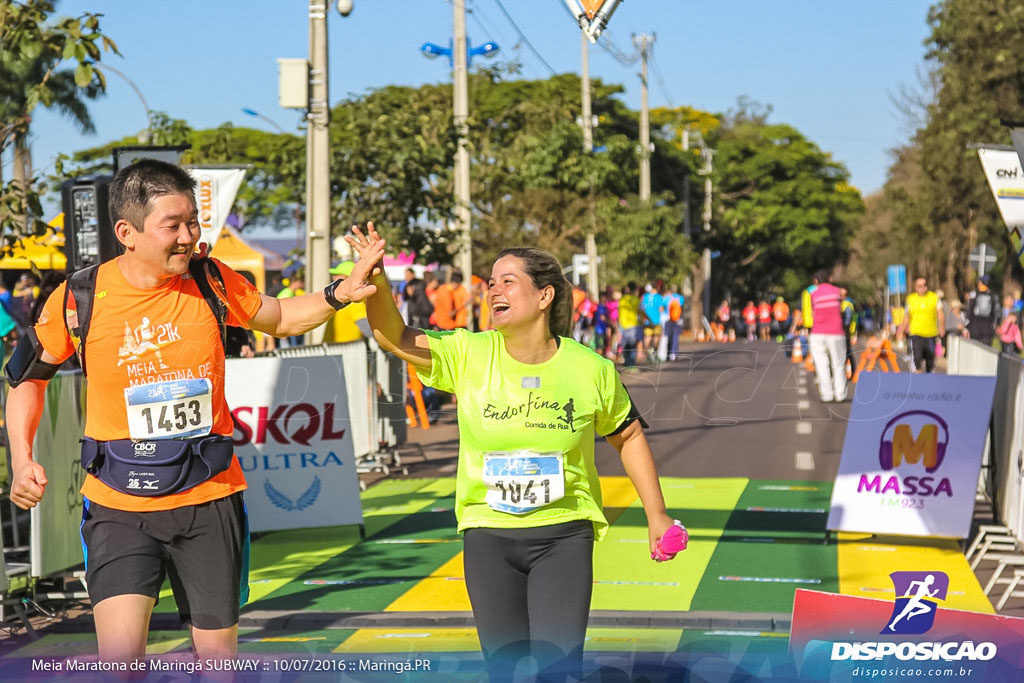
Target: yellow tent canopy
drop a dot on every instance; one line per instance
(241, 256)
(45, 252)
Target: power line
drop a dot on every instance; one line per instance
(485, 23)
(523, 38)
(661, 81)
(609, 45)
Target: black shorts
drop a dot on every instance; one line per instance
(924, 352)
(203, 549)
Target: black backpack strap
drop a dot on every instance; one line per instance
(81, 292)
(202, 270)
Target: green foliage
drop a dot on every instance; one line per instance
(936, 204)
(783, 209)
(32, 52)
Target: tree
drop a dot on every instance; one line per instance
(31, 54)
(783, 209)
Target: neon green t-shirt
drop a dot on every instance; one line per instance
(518, 419)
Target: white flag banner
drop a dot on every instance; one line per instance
(216, 189)
(1006, 180)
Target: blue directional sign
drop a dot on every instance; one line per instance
(897, 279)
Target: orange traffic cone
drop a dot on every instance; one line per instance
(798, 351)
(809, 363)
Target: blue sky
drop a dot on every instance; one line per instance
(829, 68)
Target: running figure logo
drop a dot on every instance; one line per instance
(569, 409)
(917, 596)
(137, 342)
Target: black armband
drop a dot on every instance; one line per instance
(26, 362)
(332, 300)
(633, 416)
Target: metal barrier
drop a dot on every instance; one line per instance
(1003, 459)
(374, 380)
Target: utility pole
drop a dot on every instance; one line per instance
(588, 147)
(460, 96)
(708, 154)
(318, 171)
(642, 42)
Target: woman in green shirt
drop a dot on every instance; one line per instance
(528, 498)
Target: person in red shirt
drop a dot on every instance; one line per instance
(764, 320)
(750, 320)
(157, 384)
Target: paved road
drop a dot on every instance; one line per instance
(722, 410)
(735, 410)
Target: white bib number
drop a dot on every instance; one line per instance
(523, 481)
(178, 409)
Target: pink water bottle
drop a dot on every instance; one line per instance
(671, 543)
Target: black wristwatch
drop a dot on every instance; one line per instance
(332, 300)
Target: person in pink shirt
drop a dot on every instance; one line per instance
(828, 341)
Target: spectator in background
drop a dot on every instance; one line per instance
(26, 291)
(780, 318)
(349, 324)
(5, 298)
(982, 312)
(828, 342)
(294, 288)
(764, 320)
(630, 317)
(1009, 332)
(674, 324)
(924, 319)
(462, 300)
(653, 305)
(418, 306)
(750, 321)
(956, 321)
(444, 307)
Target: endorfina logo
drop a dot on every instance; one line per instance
(917, 596)
(915, 437)
(913, 613)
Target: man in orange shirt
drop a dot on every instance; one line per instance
(157, 387)
(462, 301)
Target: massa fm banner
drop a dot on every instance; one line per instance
(912, 453)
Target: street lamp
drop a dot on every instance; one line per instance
(272, 122)
(460, 55)
(433, 51)
(144, 138)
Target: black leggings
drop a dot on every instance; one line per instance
(530, 590)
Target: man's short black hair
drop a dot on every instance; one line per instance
(136, 186)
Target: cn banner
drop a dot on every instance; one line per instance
(912, 453)
(216, 189)
(1006, 180)
(293, 440)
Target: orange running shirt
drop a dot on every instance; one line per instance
(145, 336)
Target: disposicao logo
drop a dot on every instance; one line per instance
(917, 596)
(913, 613)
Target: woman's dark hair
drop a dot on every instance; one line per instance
(545, 271)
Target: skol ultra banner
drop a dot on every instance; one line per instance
(216, 189)
(1006, 180)
(293, 439)
(912, 453)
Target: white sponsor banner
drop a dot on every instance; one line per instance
(912, 453)
(216, 189)
(293, 439)
(1006, 180)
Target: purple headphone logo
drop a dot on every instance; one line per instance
(899, 443)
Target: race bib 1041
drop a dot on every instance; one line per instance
(522, 481)
(177, 409)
